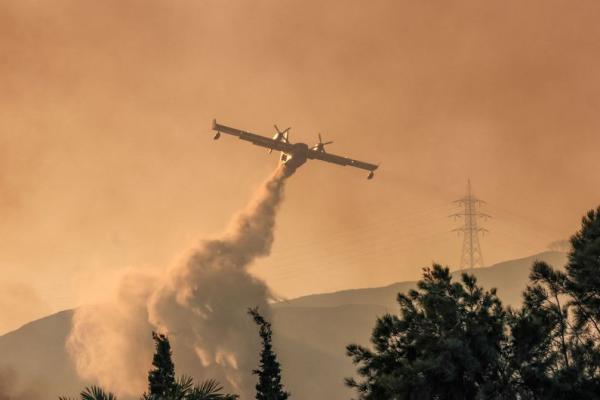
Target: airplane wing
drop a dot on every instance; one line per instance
(252, 138)
(332, 158)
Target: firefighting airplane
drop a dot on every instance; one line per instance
(293, 155)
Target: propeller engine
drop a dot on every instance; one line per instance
(281, 135)
(321, 146)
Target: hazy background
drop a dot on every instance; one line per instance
(107, 161)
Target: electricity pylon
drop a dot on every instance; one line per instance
(471, 256)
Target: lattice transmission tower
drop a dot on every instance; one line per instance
(471, 255)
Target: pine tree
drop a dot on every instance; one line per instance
(161, 379)
(447, 344)
(583, 272)
(555, 337)
(269, 385)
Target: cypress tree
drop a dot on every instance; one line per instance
(161, 379)
(269, 385)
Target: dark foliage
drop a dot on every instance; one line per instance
(555, 336)
(453, 340)
(162, 383)
(269, 385)
(583, 272)
(161, 379)
(446, 344)
(93, 393)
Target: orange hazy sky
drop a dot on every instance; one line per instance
(107, 160)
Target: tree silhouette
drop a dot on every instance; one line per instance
(548, 354)
(185, 389)
(269, 385)
(161, 379)
(162, 383)
(93, 393)
(583, 272)
(455, 341)
(555, 336)
(446, 344)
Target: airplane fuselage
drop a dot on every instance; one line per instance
(294, 159)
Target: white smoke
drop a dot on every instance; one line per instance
(201, 304)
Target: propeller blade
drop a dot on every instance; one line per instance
(277, 128)
(320, 140)
(326, 143)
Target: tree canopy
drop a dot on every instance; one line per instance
(161, 378)
(269, 386)
(455, 340)
(445, 345)
(162, 384)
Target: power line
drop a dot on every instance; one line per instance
(471, 255)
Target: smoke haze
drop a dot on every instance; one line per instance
(106, 150)
(201, 304)
(19, 302)
(11, 388)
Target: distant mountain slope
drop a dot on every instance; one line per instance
(311, 334)
(331, 321)
(37, 355)
(508, 277)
